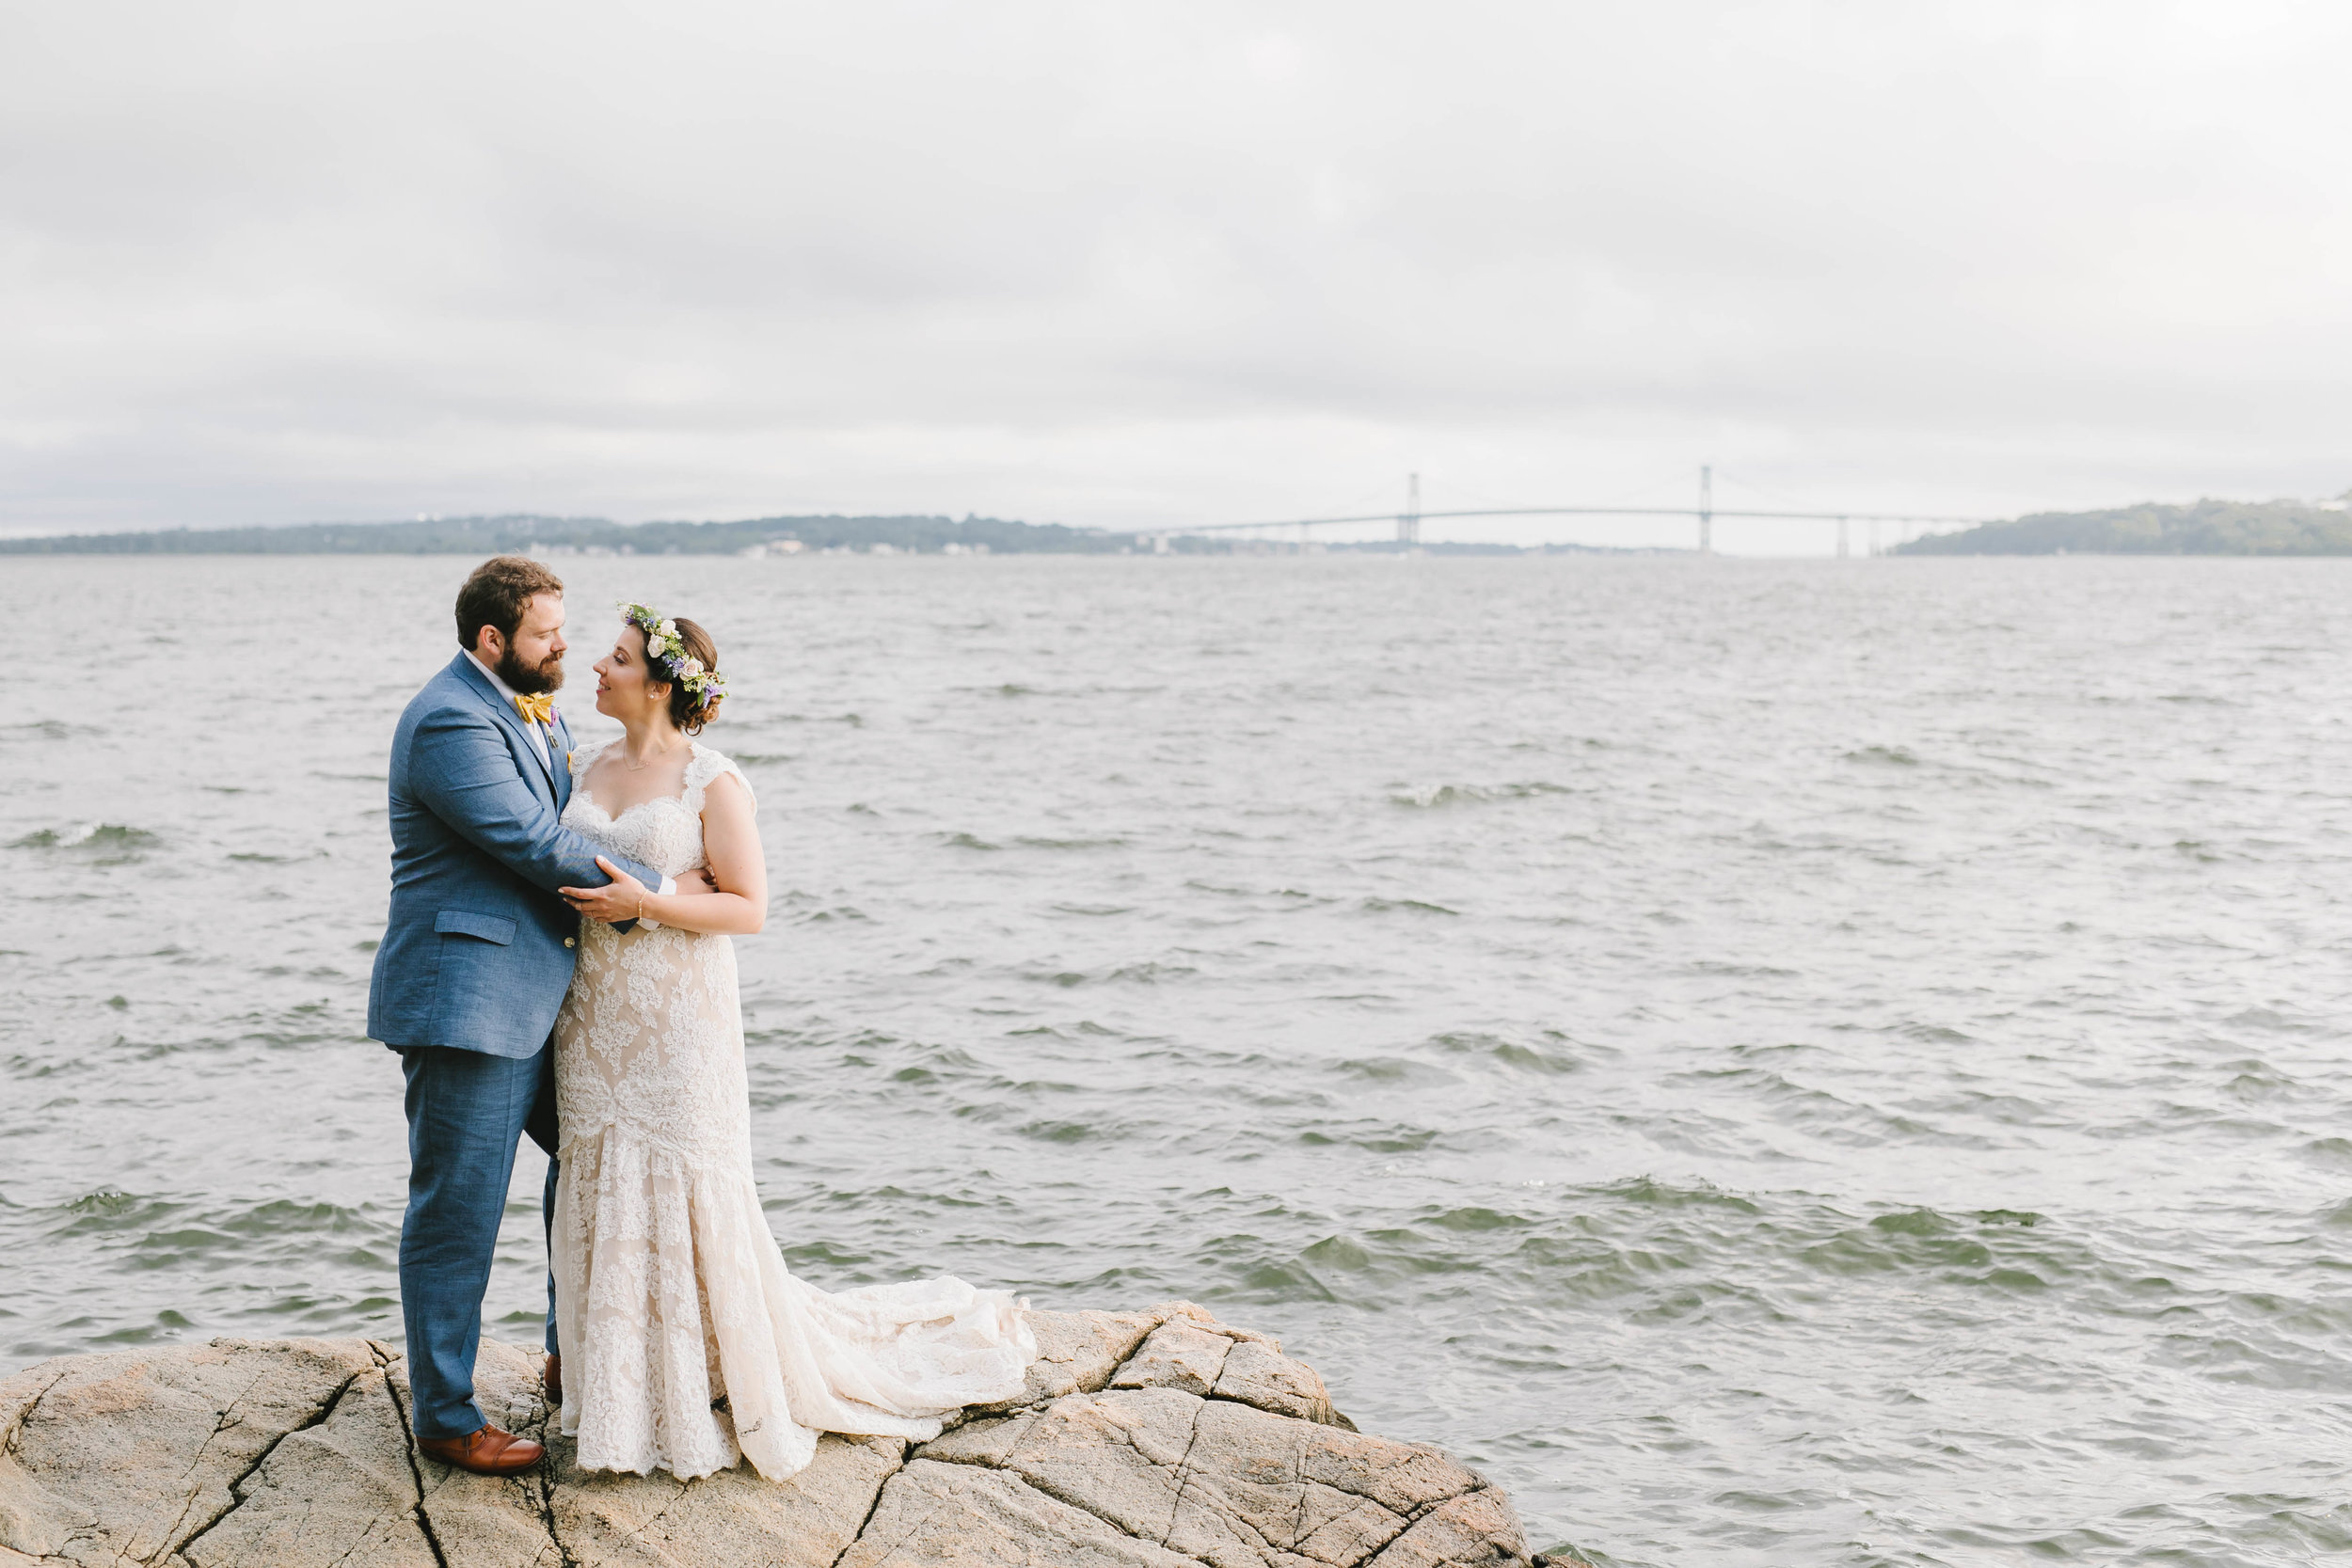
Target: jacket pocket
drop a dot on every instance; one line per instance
(489, 927)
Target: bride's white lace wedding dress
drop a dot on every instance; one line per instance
(670, 1295)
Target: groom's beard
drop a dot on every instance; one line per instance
(531, 679)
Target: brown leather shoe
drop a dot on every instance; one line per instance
(551, 1379)
(487, 1453)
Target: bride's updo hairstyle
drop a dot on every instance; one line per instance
(680, 655)
(689, 712)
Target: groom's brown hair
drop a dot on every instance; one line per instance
(496, 594)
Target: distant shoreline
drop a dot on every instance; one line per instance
(2204, 527)
(542, 536)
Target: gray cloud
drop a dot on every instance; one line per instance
(1122, 265)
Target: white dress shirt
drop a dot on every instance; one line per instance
(547, 753)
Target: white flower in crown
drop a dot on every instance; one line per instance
(668, 627)
(690, 667)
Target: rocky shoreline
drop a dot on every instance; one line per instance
(1154, 1439)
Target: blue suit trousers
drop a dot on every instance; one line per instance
(466, 1112)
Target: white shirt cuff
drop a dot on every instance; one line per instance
(669, 885)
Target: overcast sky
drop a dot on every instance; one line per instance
(1124, 265)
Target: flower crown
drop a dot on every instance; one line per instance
(664, 648)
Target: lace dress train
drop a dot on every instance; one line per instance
(671, 1294)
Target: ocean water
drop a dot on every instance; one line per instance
(1838, 1063)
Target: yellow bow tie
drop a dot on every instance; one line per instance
(536, 709)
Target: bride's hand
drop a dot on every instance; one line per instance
(622, 898)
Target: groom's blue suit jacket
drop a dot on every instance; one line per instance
(480, 947)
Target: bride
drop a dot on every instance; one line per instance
(686, 1344)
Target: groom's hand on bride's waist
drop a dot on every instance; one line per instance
(623, 899)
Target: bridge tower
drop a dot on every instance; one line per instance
(1707, 509)
(1408, 521)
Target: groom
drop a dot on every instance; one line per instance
(471, 971)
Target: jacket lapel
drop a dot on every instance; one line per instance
(504, 712)
(560, 742)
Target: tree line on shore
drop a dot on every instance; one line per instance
(525, 534)
(531, 534)
(2203, 527)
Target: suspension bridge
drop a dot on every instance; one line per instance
(1705, 514)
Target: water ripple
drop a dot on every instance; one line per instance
(1776, 1062)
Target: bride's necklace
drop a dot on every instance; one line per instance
(641, 767)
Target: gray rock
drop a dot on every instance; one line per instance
(1257, 1372)
(1179, 1355)
(1143, 1440)
(1077, 1351)
(1476, 1527)
(937, 1516)
(1222, 1482)
(1200, 1356)
(126, 1456)
(341, 1491)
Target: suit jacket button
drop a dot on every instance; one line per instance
(571, 941)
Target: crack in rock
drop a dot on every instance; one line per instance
(236, 1488)
(932, 1515)
(220, 1424)
(416, 1470)
(17, 1423)
(863, 1524)
(229, 1418)
(546, 1512)
(1183, 1463)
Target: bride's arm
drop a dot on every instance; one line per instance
(739, 869)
